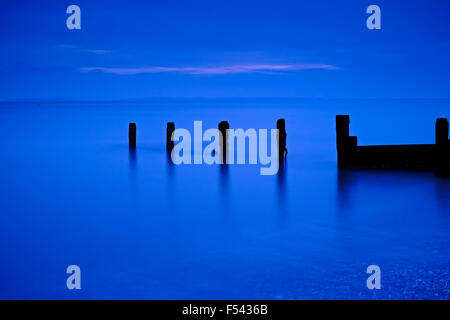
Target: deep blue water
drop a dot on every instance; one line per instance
(139, 227)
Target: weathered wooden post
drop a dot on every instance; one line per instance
(169, 131)
(282, 150)
(132, 135)
(223, 129)
(342, 134)
(442, 146)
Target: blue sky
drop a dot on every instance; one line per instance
(143, 48)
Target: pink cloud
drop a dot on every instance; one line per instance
(237, 69)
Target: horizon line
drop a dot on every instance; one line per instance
(147, 99)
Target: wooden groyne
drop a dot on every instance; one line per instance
(169, 132)
(418, 156)
(132, 135)
(223, 128)
(282, 150)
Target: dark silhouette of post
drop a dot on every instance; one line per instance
(410, 156)
(169, 131)
(132, 135)
(342, 135)
(442, 146)
(282, 150)
(223, 129)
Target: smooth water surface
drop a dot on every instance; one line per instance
(71, 192)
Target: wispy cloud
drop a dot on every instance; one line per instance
(85, 50)
(97, 51)
(236, 69)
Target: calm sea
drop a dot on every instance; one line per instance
(140, 227)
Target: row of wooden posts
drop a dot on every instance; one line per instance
(223, 127)
(426, 156)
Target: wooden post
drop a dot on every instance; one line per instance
(281, 126)
(132, 135)
(442, 146)
(441, 131)
(342, 134)
(223, 128)
(352, 142)
(169, 131)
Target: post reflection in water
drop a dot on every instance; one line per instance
(170, 173)
(133, 160)
(345, 181)
(281, 184)
(170, 166)
(224, 187)
(132, 155)
(443, 194)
